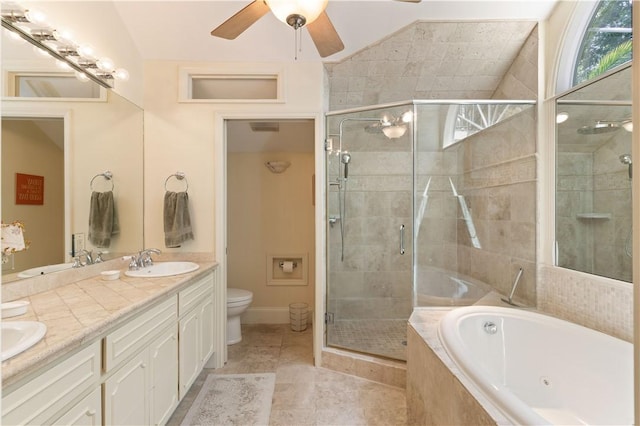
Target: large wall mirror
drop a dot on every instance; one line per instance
(593, 177)
(69, 142)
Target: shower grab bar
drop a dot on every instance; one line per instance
(401, 239)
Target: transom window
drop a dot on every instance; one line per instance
(606, 41)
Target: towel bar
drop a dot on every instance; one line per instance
(178, 176)
(107, 175)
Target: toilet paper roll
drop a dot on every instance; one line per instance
(287, 266)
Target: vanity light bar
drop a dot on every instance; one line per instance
(23, 34)
(45, 38)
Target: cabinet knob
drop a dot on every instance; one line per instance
(143, 365)
(91, 413)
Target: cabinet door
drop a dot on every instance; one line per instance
(163, 365)
(87, 412)
(206, 330)
(126, 393)
(190, 354)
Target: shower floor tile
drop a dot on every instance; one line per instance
(386, 338)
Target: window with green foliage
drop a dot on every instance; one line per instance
(606, 42)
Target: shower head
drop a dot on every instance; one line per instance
(625, 158)
(599, 128)
(345, 159)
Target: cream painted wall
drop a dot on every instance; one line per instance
(27, 149)
(182, 136)
(269, 213)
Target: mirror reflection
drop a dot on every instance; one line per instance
(594, 168)
(64, 146)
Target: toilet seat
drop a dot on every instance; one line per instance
(235, 295)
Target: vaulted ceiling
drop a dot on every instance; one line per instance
(180, 30)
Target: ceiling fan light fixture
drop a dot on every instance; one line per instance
(297, 12)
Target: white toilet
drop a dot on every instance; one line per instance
(238, 300)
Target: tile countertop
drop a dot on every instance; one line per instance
(80, 312)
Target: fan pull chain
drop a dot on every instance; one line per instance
(297, 36)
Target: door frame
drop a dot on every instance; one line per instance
(220, 220)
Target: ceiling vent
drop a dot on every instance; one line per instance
(265, 126)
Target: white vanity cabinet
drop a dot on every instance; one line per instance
(134, 374)
(41, 399)
(196, 311)
(141, 359)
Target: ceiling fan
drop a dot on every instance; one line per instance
(295, 13)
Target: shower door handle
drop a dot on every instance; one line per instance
(401, 239)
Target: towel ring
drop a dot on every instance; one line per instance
(178, 176)
(106, 175)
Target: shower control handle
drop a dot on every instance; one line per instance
(401, 239)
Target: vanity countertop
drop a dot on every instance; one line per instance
(82, 311)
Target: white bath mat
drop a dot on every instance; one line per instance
(233, 399)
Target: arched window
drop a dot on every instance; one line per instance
(606, 40)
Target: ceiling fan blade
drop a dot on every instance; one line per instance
(238, 23)
(325, 36)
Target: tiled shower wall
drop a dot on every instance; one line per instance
(595, 183)
(499, 183)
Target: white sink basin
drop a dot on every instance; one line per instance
(18, 336)
(164, 269)
(42, 270)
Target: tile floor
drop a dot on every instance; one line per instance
(386, 338)
(304, 394)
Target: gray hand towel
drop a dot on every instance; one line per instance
(177, 223)
(103, 221)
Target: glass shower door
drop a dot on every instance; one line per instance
(369, 164)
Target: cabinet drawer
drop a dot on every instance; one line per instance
(38, 400)
(194, 294)
(136, 334)
(86, 412)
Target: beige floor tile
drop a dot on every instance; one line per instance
(304, 394)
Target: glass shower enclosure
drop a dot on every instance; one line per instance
(399, 216)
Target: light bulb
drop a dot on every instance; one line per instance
(86, 51)
(63, 65)
(105, 64)
(407, 117)
(35, 16)
(309, 9)
(562, 117)
(627, 125)
(82, 76)
(121, 74)
(64, 36)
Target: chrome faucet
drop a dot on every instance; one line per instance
(78, 260)
(142, 259)
(513, 289)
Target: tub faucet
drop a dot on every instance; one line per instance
(513, 289)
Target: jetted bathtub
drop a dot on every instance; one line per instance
(537, 369)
